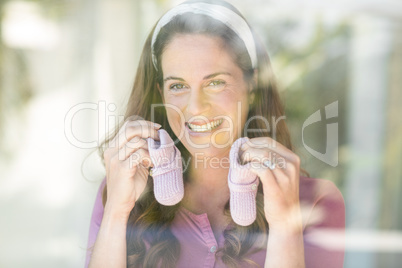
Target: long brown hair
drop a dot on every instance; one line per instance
(150, 221)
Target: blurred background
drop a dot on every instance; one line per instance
(67, 67)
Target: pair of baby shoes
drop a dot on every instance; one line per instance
(167, 174)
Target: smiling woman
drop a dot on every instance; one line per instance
(206, 89)
(213, 77)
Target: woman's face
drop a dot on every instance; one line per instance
(205, 94)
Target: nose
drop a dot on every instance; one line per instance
(198, 103)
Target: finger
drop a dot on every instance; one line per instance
(283, 179)
(143, 178)
(266, 176)
(141, 129)
(131, 147)
(261, 155)
(135, 143)
(271, 160)
(268, 143)
(139, 157)
(144, 171)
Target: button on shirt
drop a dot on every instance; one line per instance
(212, 249)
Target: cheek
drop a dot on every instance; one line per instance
(175, 118)
(240, 110)
(173, 114)
(234, 101)
(175, 102)
(172, 106)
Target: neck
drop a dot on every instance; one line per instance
(209, 171)
(207, 187)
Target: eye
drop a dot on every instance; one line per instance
(177, 87)
(216, 84)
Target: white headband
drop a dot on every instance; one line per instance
(230, 18)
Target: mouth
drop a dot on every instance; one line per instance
(205, 127)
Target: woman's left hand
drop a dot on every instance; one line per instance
(280, 182)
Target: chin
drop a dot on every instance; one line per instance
(211, 155)
(209, 150)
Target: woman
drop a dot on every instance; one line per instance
(214, 79)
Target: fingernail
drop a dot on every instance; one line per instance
(157, 125)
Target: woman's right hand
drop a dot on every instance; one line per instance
(127, 161)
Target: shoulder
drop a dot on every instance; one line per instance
(322, 203)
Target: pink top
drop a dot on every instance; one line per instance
(322, 209)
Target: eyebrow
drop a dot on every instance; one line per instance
(205, 77)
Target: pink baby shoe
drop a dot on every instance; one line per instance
(243, 185)
(167, 172)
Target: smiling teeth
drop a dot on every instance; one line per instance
(206, 127)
